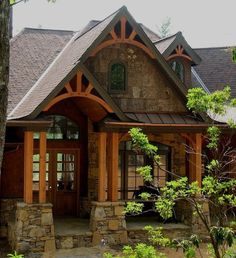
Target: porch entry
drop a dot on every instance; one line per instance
(62, 179)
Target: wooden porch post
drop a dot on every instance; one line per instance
(198, 171)
(102, 145)
(28, 166)
(195, 159)
(113, 156)
(42, 167)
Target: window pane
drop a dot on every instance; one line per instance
(118, 77)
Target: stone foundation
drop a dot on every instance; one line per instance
(32, 231)
(7, 214)
(185, 214)
(107, 223)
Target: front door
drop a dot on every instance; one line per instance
(62, 180)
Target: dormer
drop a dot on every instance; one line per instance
(180, 56)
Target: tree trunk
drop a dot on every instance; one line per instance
(4, 70)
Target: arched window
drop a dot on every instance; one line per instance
(117, 77)
(62, 129)
(178, 67)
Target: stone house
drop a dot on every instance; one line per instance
(73, 96)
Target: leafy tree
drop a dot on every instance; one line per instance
(164, 29)
(218, 186)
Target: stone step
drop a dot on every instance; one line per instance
(74, 241)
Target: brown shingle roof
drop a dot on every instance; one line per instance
(32, 51)
(59, 69)
(217, 69)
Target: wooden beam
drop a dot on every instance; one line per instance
(79, 82)
(42, 167)
(113, 34)
(123, 29)
(198, 171)
(113, 151)
(28, 166)
(102, 140)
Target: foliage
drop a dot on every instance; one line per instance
(15, 255)
(145, 172)
(139, 251)
(217, 188)
(133, 208)
(164, 29)
(156, 237)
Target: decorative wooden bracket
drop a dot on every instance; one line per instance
(179, 52)
(122, 39)
(82, 91)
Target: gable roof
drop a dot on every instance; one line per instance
(32, 51)
(217, 69)
(167, 45)
(66, 64)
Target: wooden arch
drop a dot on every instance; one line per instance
(122, 39)
(179, 52)
(81, 91)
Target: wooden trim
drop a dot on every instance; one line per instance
(113, 34)
(89, 88)
(198, 172)
(82, 95)
(42, 167)
(113, 151)
(179, 55)
(132, 35)
(68, 88)
(128, 41)
(189, 138)
(79, 82)
(28, 166)
(123, 29)
(102, 140)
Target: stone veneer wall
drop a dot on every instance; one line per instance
(107, 223)
(148, 88)
(92, 165)
(33, 229)
(7, 214)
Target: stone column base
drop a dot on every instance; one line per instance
(186, 214)
(33, 229)
(107, 223)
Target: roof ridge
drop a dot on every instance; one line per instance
(44, 29)
(199, 48)
(99, 22)
(168, 37)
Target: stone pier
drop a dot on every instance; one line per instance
(107, 223)
(32, 231)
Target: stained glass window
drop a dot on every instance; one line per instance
(117, 77)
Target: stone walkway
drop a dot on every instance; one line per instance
(82, 252)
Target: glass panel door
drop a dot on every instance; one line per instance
(65, 171)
